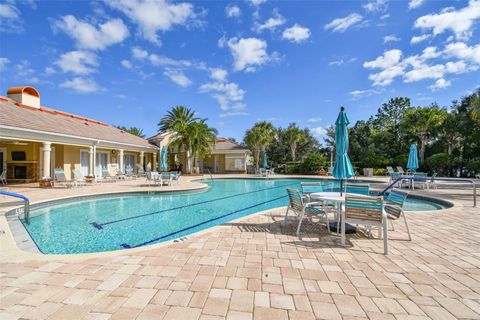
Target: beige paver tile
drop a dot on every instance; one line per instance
(70, 312)
(282, 301)
(262, 299)
(175, 313)
(220, 293)
(112, 282)
(269, 314)
(179, 298)
(327, 311)
(97, 316)
(216, 307)
(242, 300)
(300, 315)
(198, 299)
(437, 313)
(457, 308)
(238, 315)
(348, 306)
(388, 305)
(153, 312)
(43, 311)
(140, 298)
(125, 314)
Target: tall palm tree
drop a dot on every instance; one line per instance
(294, 136)
(475, 113)
(202, 138)
(132, 130)
(451, 131)
(422, 122)
(178, 120)
(259, 137)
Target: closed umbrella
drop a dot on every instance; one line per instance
(412, 163)
(265, 160)
(343, 168)
(163, 166)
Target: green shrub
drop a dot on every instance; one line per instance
(379, 172)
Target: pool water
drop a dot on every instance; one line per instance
(115, 222)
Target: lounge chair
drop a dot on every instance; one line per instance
(3, 177)
(368, 211)
(357, 188)
(151, 177)
(400, 170)
(394, 208)
(419, 178)
(78, 178)
(166, 179)
(262, 172)
(129, 173)
(107, 177)
(392, 174)
(176, 176)
(61, 179)
(120, 175)
(297, 205)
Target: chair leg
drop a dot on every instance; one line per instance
(328, 223)
(406, 226)
(391, 223)
(286, 214)
(385, 237)
(300, 223)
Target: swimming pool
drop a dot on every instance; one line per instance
(115, 222)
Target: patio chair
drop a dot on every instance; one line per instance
(176, 176)
(431, 182)
(419, 178)
(262, 172)
(297, 205)
(151, 177)
(357, 188)
(166, 179)
(368, 211)
(120, 175)
(78, 178)
(394, 208)
(61, 179)
(107, 177)
(400, 170)
(392, 174)
(129, 173)
(3, 177)
(272, 172)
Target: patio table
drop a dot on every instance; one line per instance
(339, 199)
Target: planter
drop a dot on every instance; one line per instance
(368, 172)
(45, 183)
(89, 179)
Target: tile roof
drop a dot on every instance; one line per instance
(222, 144)
(15, 114)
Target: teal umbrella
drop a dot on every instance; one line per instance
(163, 166)
(412, 163)
(343, 168)
(265, 160)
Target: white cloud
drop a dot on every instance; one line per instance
(358, 94)
(81, 85)
(418, 39)
(88, 36)
(127, 64)
(391, 38)
(440, 84)
(10, 20)
(271, 24)
(23, 72)
(178, 77)
(228, 94)
(218, 74)
(318, 131)
(3, 63)
(342, 24)
(233, 114)
(248, 53)
(375, 6)
(257, 2)
(389, 63)
(78, 62)
(296, 33)
(413, 4)
(463, 51)
(233, 11)
(153, 16)
(460, 22)
(139, 53)
(340, 62)
(314, 120)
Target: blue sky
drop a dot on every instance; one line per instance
(127, 62)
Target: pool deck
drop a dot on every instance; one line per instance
(254, 268)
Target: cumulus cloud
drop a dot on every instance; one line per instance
(358, 94)
(126, 64)
(89, 36)
(233, 11)
(153, 16)
(178, 77)
(257, 2)
(440, 84)
(218, 74)
(342, 24)
(314, 120)
(318, 131)
(81, 85)
(413, 4)
(248, 53)
(375, 6)
(78, 62)
(390, 38)
(3, 63)
(418, 39)
(10, 20)
(296, 33)
(228, 94)
(271, 24)
(460, 22)
(462, 51)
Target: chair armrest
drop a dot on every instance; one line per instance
(313, 204)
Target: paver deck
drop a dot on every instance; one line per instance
(256, 268)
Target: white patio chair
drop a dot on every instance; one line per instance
(78, 178)
(61, 179)
(3, 177)
(394, 208)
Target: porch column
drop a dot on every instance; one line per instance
(120, 160)
(142, 157)
(46, 150)
(155, 167)
(91, 164)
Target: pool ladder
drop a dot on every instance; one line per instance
(210, 174)
(26, 205)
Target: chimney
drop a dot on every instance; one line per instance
(28, 96)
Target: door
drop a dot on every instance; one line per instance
(101, 164)
(84, 162)
(129, 163)
(3, 159)
(216, 165)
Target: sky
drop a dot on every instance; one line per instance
(127, 62)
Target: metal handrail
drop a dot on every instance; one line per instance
(210, 174)
(26, 208)
(420, 178)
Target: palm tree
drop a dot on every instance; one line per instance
(259, 137)
(475, 113)
(132, 130)
(451, 131)
(179, 121)
(293, 137)
(422, 122)
(202, 138)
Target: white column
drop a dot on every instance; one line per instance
(155, 167)
(120, 160)
(142, 157)
(91, 163)
(46, 150)
(245, 162)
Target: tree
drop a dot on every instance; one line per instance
(421, 122)
(293, 137)
(202, 138)
(451, 131)
(475, 112)
(132, 130)
(259, 137)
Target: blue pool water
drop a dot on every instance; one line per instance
(114, 222)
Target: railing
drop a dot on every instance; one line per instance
(210, 174)
(420, 178)
(26, 208)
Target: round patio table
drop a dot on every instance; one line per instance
(339, 199)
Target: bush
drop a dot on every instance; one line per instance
(310, 165)
(379, 172)
(439, 162)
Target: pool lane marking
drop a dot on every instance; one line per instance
(100, 226)
(127, 246)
